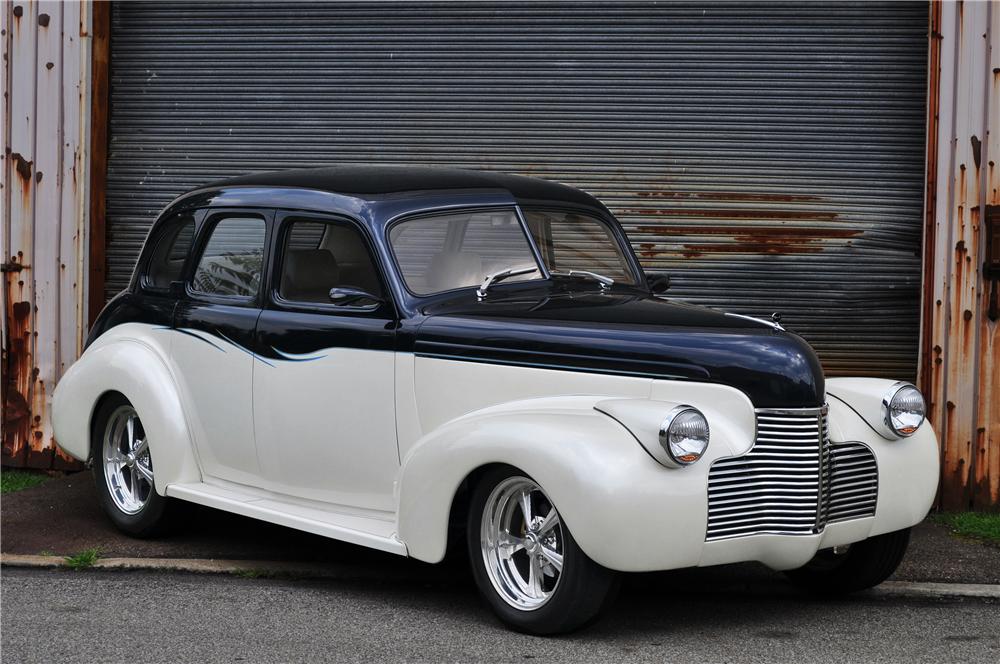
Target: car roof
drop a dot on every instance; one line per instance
(374, 181)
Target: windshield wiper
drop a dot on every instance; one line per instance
(500, 276)
(606, 282)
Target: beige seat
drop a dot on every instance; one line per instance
(308, 275)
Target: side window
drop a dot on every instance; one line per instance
(318, 256)
(170, 250)
(233, 258)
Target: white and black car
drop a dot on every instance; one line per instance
(376, 354)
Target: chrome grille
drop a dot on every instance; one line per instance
(853, 482)
(792, 482)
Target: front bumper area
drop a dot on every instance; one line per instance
(784, 551)
(677, 534)
(907, 483)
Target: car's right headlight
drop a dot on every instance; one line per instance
(903, 409)
(684, 435)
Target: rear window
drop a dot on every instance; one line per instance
(170, 250)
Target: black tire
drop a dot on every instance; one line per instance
(155, 516)
(584, 588)
(864, 565)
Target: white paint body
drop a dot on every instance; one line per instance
(371, 447)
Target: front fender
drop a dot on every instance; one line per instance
(908, 468)
(127, 361)
(625, 510)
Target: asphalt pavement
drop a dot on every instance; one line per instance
(90, 616)
(372, 606)
(62, 517)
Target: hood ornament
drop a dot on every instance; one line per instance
(773, 323)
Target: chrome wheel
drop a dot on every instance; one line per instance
(522, 543)
(128, 468)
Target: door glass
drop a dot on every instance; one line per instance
(318, 256)
(171, 250)
(233, 258)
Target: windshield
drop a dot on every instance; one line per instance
(577, 241)
(446, 251)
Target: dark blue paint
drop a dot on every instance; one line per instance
(559, 324)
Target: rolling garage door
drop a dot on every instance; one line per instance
(769, 157)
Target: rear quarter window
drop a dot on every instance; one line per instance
(171, 246)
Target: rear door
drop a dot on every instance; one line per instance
(323, 391)
(213, 341)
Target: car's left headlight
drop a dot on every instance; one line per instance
(903, 409)
(684, 435)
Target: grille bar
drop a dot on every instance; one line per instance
(793, 482)
(853, 483)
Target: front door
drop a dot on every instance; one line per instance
(212, 343)
(323, 391)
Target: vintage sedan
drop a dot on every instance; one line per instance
(412, 359)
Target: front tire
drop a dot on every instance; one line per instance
(527, 565)
(863, 565)
(123, 470)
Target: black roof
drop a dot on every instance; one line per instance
(365, 181)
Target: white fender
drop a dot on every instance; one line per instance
(625, 510)
(127, 359)
(908, 468)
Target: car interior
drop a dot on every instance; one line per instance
(320, 256)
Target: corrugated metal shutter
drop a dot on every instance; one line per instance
(769, 157)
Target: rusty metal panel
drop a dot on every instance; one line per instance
(6, 18)
(769, 156)
(21, 377)
(73, 186)
(986, 472)
(40, 206)
(964, 347)
(48, 162)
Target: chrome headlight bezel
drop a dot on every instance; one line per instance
(889, 421)
(674, 418)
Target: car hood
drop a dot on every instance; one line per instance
(624, 332)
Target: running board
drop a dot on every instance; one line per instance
(373, 533)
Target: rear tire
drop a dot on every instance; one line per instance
(123, 471)
(863, 565)
(527, 565)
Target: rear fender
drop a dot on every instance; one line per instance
(128, 359)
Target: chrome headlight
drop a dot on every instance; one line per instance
(903, 409)
(684, 435)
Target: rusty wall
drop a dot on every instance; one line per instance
(768, 156)
(961, 348)
(44, 232)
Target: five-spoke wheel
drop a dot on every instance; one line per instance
(128, 467)
(525, 561)
(123, 469)
(522, 543)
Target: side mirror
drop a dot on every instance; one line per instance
(658, 282)
(348, 295)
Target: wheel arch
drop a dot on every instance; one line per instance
(556, 446)
(122, 363)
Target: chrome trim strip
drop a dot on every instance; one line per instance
(770, 323)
